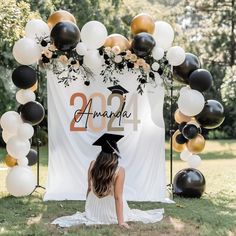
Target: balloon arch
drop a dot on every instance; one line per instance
(60, 46)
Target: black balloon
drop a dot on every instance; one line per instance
(190, 131)
(200, 80)
(183, 71)
(180, 139)
(181, 126)
(142, 44)
(189, 183)
(65, 35)
(212, 115)
(24, 77)
(32, 112)
(32, 157)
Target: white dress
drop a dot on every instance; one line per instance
(103, 211)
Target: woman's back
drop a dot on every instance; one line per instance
(103, 209)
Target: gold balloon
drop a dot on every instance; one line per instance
(10, 161)
(180, 117)
(176, 146)
(34, 87)
(197, 144)
(117, 40)
(59, 16)
(142, 23)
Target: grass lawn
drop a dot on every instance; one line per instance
(213, 214)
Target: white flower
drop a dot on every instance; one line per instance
(155, 66)
(118, 59)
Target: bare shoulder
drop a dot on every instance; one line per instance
(121, 171)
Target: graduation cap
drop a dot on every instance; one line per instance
(118, 89)
(108, 142)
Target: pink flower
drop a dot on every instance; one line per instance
(133, 57)
(48, 53)
(116, 49)
(136, 66)
(128, 52)
(146, 67)
(63, 59)
(117, 59)
(107, 49)
(52, 48)
(141, 62)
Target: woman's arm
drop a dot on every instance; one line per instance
(89, 178)
(118, 194)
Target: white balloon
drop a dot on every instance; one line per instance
(175, 55)
(194, 161)
(23, 161)
(163, 34)
(6, 136)
(158, 53)
(183, 89)
(10, 121)
(93, 60)
(17, 147)
(37, 30)
(20, 181)
(26, 51)
(191, 102)
(25, 95)
(25, 131)
(81, 49)
(93, 34)
(185, 154)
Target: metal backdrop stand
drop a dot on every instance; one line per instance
(170, 185)
(38, 142)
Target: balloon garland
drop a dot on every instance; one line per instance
(72, 54)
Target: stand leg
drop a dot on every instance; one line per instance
(170, 185)
(38, 142)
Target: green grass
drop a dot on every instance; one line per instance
(213, 214)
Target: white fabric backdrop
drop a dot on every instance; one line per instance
(70, 152)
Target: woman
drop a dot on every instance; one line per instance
(105, 203)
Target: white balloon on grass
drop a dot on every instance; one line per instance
(25, 95)
(185, 154)
(37, 30)
(191, 102)
(20, 181)
(23, 161)
(81, 49)
(25, 131)
(175, 55)
(93, 34)
(93, 60)
(6, 136)
(26, 51)
(158, 53)
(163, 34)
(10, 121)
(194, 161)
(18, 147)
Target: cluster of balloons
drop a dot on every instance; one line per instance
(194, 113)
(18, 126)
(155, 38)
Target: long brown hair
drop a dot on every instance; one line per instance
(103, 172)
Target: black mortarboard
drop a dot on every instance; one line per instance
(108, 142)
(118, 89)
